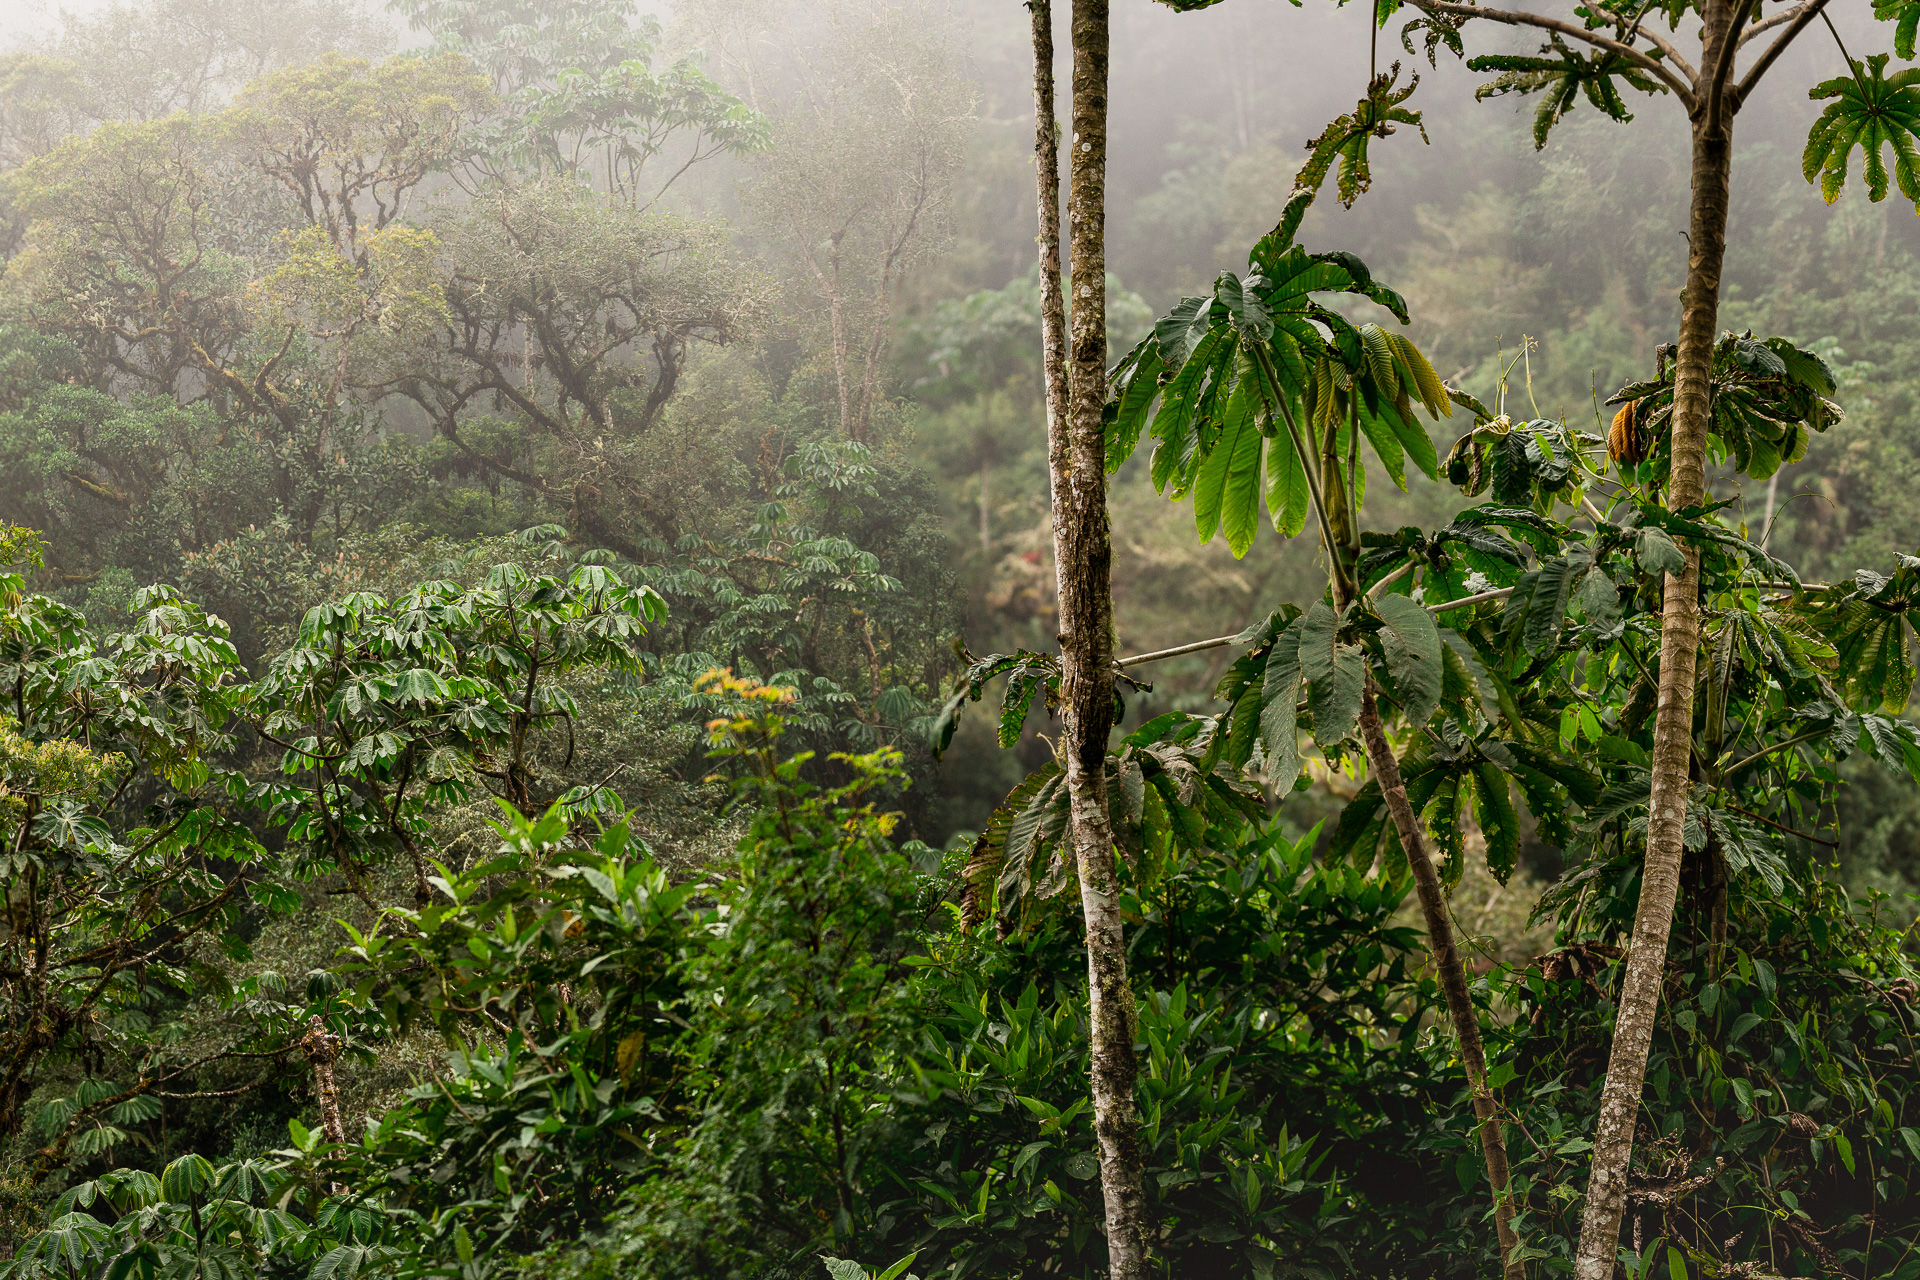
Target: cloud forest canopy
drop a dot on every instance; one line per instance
(509, 507)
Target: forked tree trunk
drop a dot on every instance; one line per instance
(1673, 718)
(1083, 556)
(1452, 973)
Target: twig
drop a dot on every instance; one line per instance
(1798, 835)
(1446, 606)
(1467, 602)
(1196, 647)
(1380, 587)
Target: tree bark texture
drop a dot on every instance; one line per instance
(322, 1050)
(1453, 975)
(1679, 659)
(1083, 554)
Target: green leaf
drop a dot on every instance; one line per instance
(1227, 489)
(1413, 649)
(186, 1179)
(1599, 597)
(1279, 710)
(1289, 498)
(1545, 610)
(1346, 140)
(1905, 15)
(1658, 553)
(1562, 79)
(1022, 684)
(1335, 674)
(1493, 810)
(1870, 109)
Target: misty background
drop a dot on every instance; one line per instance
(927, 109)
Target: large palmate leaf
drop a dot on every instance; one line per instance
(1226, 386)
(1560, 79)
(1870, 110)
(1905, 15)
(1868, 621)
(1523, 464)
(1765, 398)
(1028, 675)
(1374, 116)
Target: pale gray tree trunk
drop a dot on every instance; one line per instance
(1083, 554)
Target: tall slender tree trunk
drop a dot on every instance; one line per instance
(1679, 659)
(1076, 381)
(1452, 973)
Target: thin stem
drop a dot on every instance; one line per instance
(1308, 463)
(1798, 835)
(1353, 474)
(1808, 736)
(1468, 602)
(1380, 587)
(1851, 65)
(1198, 646)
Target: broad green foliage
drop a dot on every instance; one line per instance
(1765, 398)
(383, 709)
(1776, 1079)
(572, 957)
(122, 921)
(1868, 624)
(1261, 380)
(247, 1218)
(1562, 80)
(1871, 110)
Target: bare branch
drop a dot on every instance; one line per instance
(1668, 50)
(1723, 68)
(1805, 14)
(1768, 24)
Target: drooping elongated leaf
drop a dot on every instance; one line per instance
(1905, 15)
(1288, 498)
(1413, 649)
(1279, 710)
(1493, 810)
(1227, 489)
(1335, 674)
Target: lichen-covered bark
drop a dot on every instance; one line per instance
(1679, 659)
(1076, 383)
